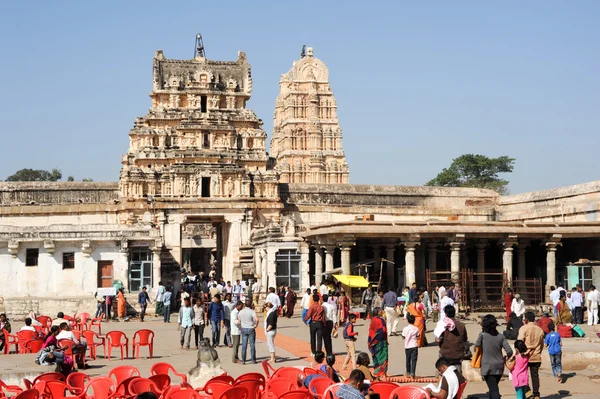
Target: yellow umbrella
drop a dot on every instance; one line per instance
(352, 281)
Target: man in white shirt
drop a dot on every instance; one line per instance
(237, 291)
(592, 300)
(59, 319)
(577, 303)
(227, 306)
(330, 318)
(27, 326)
(445, 301)
(518, 306)
(273, 298)
(255, 292)
(555, 297)
(236, 333)
(305, 302)
(79, 347)
(323, 290)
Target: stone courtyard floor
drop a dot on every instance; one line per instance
(293, 348)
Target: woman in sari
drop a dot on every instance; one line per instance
(344, 306)
(418, 310)
(563, 313)
(378, 345)
(290, 302)
(121, 304)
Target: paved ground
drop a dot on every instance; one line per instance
(294, 349)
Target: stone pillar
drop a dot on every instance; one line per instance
(329, 257)
(156, 271)
(271, 268)
(432, 255)
(264, 271)
(551, 247)
(455, 261)
(304, 267)
(318, 265)
(480, 247)
(507, 261)
(409, 268)
(389, 267)
(121, 268)
(521, 260)
(346, 259)
(377, 258)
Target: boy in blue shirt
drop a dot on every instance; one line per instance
(554, 343)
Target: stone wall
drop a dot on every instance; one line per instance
(577, 203)
(385, 196)
(54, 193)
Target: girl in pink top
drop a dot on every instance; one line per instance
(518, 368)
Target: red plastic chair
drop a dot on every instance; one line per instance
(235, 393)
(290, 374)
(121, 373)
(10, 339)
(123, 388)
(24, 336)
(164, 368)
(144, 338)
(181, 392)
(297, 395)
(409, 392)
(51, 376)
(9, 388)
(268, 369)
(141, 385)
(223, 378)
(384, 389)
(82, 320)
(318, 386)
(461, 390)
(255, 387)
(103, 387)
(216, 388)
(68, 345)
(279, 386)
(115, 340)
(162, 381)
(250, 376)
(77, 334)
(331, 391)
(57, 389)
(77, 382)
(33, 346)
(90, 338)
(46, 322)
(309, 370)
(28, 394)
(96, 322)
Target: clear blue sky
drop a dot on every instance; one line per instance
(417, 85)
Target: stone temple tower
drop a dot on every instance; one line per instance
(198, 139)
(307, 139)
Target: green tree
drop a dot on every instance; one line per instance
(70, 178)
(35, 175)
(87, 179)
(475, 170)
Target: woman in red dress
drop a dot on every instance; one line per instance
(508, 297)
(344, 304)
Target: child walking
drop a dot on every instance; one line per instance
(411, 334)
(554, 343)
(349, 339)
(518, 366)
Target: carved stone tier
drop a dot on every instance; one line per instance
(307, 139)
